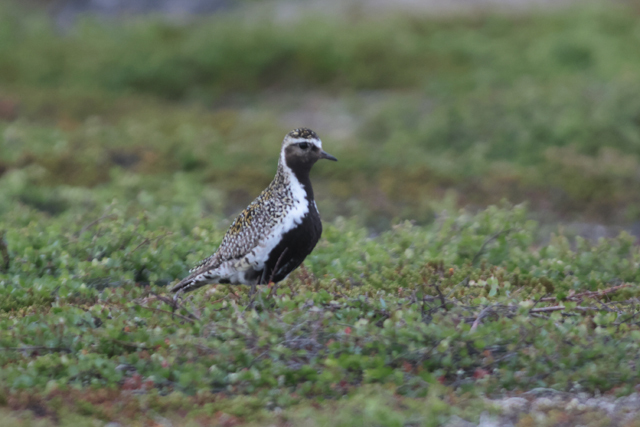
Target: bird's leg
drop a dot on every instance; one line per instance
(274, 289)
(252, 294)
(254, 285)
(178, 294)
(259, 281)
(253, 290)
(264, 275)
(176, 297)
(273, 272)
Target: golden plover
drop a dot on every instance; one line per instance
(276, 232)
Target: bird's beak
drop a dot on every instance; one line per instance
(325, 155)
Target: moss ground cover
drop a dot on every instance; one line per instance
(465, 305)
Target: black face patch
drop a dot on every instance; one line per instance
(301, 161)
(298, 157)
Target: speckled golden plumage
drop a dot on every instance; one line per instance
(264, 213)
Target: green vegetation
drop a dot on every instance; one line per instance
(457, 305)
(126, 149)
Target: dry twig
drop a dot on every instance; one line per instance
(174, 303)
(483, 313)
(149, 241)
(547, 309)
(588, 294)
(486, 242)
(94, 222)
(478, 254)
(36, 348)
(442, 300)
(167, 312)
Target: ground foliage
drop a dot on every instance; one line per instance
(124, 154)
(465, 304)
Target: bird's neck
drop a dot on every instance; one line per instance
(295, 176)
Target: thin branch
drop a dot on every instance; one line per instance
(477, 256)
(168, 312)
(148, 241)
(442, 300)
(589, 294)
(483, 313)
(486, 242)
(547, 309)
(542, 298)
(627, 319)
(499, 359)
(174, 303)
(144, 242)
(94, 222)
(36, 348)
(464, 282)
(255, 359)
(540, 316)
(560, 308)
(128, 344)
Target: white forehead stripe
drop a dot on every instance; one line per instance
(315, 141)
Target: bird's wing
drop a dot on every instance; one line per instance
(244, 235)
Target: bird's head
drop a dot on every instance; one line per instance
(301, 148)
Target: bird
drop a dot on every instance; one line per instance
(274, 234)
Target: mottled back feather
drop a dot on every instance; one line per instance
(252, 224)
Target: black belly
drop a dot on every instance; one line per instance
(294, 247)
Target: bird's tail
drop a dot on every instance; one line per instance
(190, 283)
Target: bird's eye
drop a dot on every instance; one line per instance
(304, 145)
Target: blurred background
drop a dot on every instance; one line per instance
(429, 105)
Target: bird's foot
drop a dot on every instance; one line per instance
(273, 289)
(176, 300)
